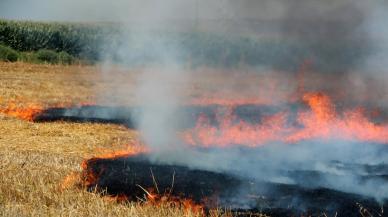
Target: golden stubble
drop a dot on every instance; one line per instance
(35, 158)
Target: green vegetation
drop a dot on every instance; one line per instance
(78, 40)
(8, 54)
(90, 43)
(47, 56)
(41, 56)
(50, 56)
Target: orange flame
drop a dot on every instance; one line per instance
(324, 123)
(131, 149)
(158, 200)
(90, 178)
(28, 113)
(241, 133)
(321, 121)
(188, 205)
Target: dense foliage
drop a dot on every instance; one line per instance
(95, 42)
(75, 39)
(8, 54)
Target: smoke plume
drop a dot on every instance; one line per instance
(345, 42)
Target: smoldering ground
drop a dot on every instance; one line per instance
(344, 40)
(317, 29)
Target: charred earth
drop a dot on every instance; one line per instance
(136, 176)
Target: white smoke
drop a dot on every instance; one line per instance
(158, 88)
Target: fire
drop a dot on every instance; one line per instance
(26, 113)
(241, 133)
(320, 121)
(152, 196)
(188, 205)
(90, 178)
(323, 122)
(130, 149)
(160, 200)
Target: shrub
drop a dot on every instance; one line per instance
(27, 57)
(65, 58)
(8, 54)
(47, 56)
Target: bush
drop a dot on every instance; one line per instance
(8, 54)
(65, 58)
(47, 56)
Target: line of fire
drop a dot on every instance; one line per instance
(256, 131)
(254, 108)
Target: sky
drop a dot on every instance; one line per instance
(124, 10)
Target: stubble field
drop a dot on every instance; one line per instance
(35, 158)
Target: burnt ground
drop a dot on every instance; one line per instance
(123, 176)
(186, 115)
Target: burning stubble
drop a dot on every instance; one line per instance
(330, 150)
(337, 151)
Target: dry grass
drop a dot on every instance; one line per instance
(51, 85)
(44, 83)
(36, 157)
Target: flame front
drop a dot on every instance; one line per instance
(26, 112)
(89, 178)
(321, 121)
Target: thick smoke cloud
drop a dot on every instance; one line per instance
(339, 163)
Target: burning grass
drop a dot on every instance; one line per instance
(35, 158)
(320, 121)
(23, 113)
(40, 162)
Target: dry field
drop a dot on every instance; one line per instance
(36, 157)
